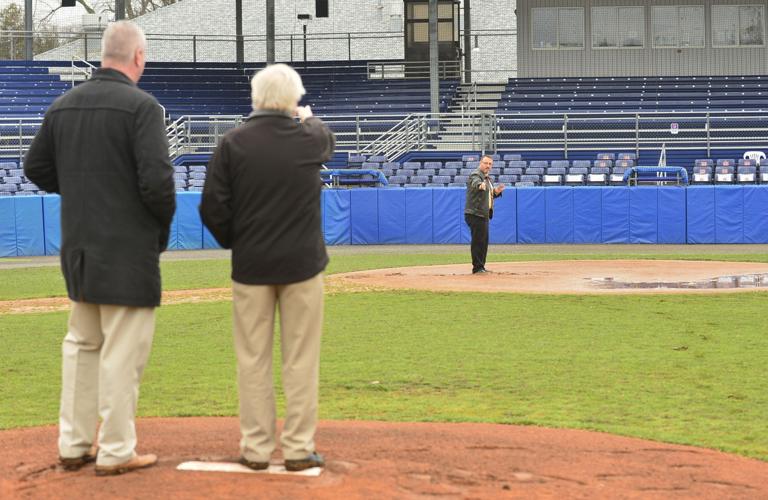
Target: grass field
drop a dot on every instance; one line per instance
(686, 369)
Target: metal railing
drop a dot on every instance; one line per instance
(383, 70)
(87, 71)
(16, 135)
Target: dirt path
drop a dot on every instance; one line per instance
(375, 460)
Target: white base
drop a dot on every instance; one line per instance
(235, 467)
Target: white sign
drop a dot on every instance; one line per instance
(674, 128)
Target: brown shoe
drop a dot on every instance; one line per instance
(137, 462)
(77, 463)
(314, 460)
(254, 465)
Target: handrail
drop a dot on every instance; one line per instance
(88, 72)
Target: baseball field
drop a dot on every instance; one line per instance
(686, 369)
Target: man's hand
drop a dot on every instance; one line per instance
(498, 189)
(481, 187)
(303, 112)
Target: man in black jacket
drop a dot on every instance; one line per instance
(262, 199)
(102, 146)
(479, 211)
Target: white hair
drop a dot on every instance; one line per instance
(120, 41)
(277, 87)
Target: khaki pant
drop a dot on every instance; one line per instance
(104, 354)
(301, 320)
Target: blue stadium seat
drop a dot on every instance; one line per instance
(617, 175)
(581, 163)
(196, 183)
(525, 183)
(531, 178)
(460, 179)
(542, 164)
(606, 156)
(576, 176)
(466, 171)
(517, 164)
(371, 165)
(397, 180)
(468, 158)
(472, 164)
(534, 170)
(705, 162)
(412, 165)
(377, 159)
(13, 180)
(440, 180)
(197, 176)
(626, 156)
(605, 163)
(448, 171)
(180, 169)
(598, 176)
(512, 157)
(454, 164)
(509, 179)
(429, 172)
(702, 174)
(433, 164)
(407, 172)
(553, 177)
(746, 174)
(392, 165)
(724, 174)
(197, 168)
(518, 171)
(560, 164)
(180, 177)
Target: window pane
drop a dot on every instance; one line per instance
(725, 20)
(445, 32)
(571, 27)
(604, 24)
(421, 32)
(691, 26)
(444, 10)
(664, 26)
(631, 26)
(420, 11)
(750, 25)
(544, 27)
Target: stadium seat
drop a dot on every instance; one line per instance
(371, 165)
(560, 164)
(542, 164)
(524, 184)
(581, 163)
(704, 162)
(448, 171)
(377, 159)
(746, 174)
(454, 164)
(605, 163)
(724, 174)
(508, 179)
(461, 179)
(626, 156)
(466, 171)
(534, 170)
(513, 171)
(180, 169)
(553, 176)
(763, 174)
(397, 180)
(606, 156)
(598, 176)
(533, 179)
(702, 174)
(392, 165)
(433, 164)
(418, 179)
(517, 164)
(197, 168)
(512, 157)
(617, 176)
(467, 158)
(355, 161)
(407, 172)
(197, 176)
(412, 165)
(440, 180)
(576, 176)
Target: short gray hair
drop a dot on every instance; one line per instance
(121, 40)
(277, 87)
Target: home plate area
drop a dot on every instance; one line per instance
(239, 468)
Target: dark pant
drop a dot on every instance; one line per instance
(478, 226)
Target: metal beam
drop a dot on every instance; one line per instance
(29, 53)
(270, 31)
(467, 42)
(239, 44)
(434, 80)
(119, 10)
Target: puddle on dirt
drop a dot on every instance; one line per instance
(738, 281)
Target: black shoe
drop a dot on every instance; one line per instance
(480, 271)
(77, 463)
(254, 465)
(314, 460)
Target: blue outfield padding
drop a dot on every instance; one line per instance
(447, 215)
(30, 232)
(52, 224)
(559, 214)
(364, 216)
(7, 227)
(643, 214)
(418, 216)
(672, 215)
(503, 226)
(531, 215)
(391, 213)
(615, 210)
(755, 214)
(588, 215)
(465, 235)
(700, 214)
(337, 216)
(190, 226)
(729, 214)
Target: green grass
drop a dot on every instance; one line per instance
(683, 369)
(36, 282)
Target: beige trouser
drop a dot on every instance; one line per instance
(104, 355)
(301, 321)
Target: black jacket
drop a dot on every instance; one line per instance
(262, 198)
(477, 200)
(103, 147)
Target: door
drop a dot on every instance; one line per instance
(417, 30)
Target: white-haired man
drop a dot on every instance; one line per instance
(262, 199)
(102, 146)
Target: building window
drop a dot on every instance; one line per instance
(678, 26)
(738, 26)
(618, 27)
(321, 8)
(557, 28)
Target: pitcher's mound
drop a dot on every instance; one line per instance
(374, 460)
(569, 276)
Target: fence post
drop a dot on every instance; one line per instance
(194, 49)
(708, 136)
(565, 135)
(85, 52)
(357, 132)
(637, 136)
(291, 47)
(349, 46)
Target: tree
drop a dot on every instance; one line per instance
(11, 41)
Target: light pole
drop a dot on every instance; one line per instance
(304, 18)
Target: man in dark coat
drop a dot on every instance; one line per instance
(102, 146)
(262, 199)
(479, 211)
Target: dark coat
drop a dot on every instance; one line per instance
(477, 200)
(262, 198)
(103, 147)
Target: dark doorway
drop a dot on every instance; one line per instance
(417, 30)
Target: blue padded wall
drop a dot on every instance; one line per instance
(531, 215)
(559, 215)
(7, 227)
(391, 215)
(190, 226)
(447, 215)
(418, 216)
(615, 218)
(729, 214)
(700, 214)
(364, 216)
(52, 224)
(30, 231)
(503, 226)
(643, 215)
(755, 214)
(588, 215)
(672, 215)
(337, 216)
